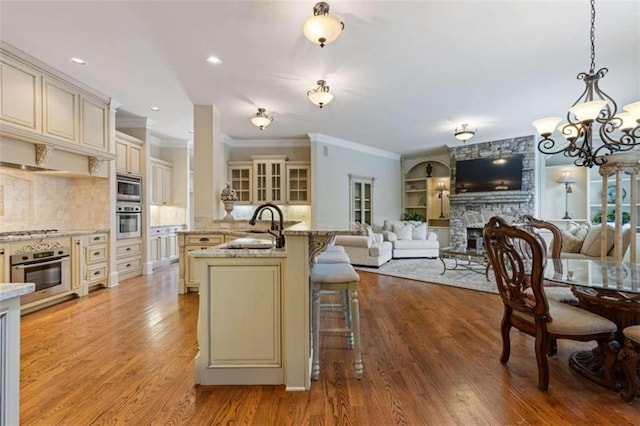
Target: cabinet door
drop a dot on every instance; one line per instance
(20, 96)
(2, 277)
(269, 181)
(361, 195)
(155, 249)
(121, 157)
(298, 185)
(135, 160)
(240, 180)
(156, 184)
(94, 118)
(172, 246)
(60, 110)
(167, 185)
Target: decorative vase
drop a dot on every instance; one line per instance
(228, 207)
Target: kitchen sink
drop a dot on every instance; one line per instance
(249, 243)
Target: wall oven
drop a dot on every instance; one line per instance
(129, 188)
(49, 270)
(128, 221)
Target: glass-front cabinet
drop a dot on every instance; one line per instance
(240, 174)
(269, 178)
(361, 196)
(298, 179)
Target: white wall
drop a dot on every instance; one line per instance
(332, 160)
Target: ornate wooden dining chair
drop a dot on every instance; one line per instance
(529, 310)
(629, 356)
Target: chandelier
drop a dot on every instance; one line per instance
(322, 28)
(320, 95)
(464, 134)
(262, 119)
(618, 131)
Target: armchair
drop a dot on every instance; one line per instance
(365, 250)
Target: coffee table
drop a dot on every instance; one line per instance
(469, 259)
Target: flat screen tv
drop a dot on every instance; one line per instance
(486, 174)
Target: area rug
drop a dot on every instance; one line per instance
(430, 270)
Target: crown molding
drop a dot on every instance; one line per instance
(133, 123)
(265, 143)
(330, 140)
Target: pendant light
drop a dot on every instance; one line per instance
(464, 134)
(320, 95)
(322, 28)
(262, 119)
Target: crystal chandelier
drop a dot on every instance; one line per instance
(320, 95)
(322, 28)
(262, 119)
(618, 131)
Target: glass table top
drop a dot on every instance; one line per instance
(602, 274)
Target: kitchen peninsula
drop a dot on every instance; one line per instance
(254, 324)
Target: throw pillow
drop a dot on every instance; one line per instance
(419, 232)
(591, 245)
(570, 243)
(371, 235)
(403, 232)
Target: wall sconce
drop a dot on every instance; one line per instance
(322, 28)
(464, 134)
(567, 179)
(320, 95)
(441, 188)
(262, 119)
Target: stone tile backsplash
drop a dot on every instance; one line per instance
(37, 201)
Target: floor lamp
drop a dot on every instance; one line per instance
(441, 188)
(567, 179)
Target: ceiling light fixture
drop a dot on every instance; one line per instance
(155, 108)
(463, 134)
(617, 132)
(320, 95)
(262, 119)
(322, 28)
(502, 186)
(214, 60)
(78, 61)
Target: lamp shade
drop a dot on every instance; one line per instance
(442, 186)
(322, 28)
(261, 119)
(566, 177)
(320, 95)
(633, 109)
(546, 126)
(588, 111)
(626, 121)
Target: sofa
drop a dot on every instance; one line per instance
(410, 239)
(365, 250)
(583, 241)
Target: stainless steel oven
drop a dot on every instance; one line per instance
(129, 188)
(128, 220)
(49, 270)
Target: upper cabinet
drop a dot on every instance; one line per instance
(42, 105)
(269, 179)
(128, 154)
(161, 182)
(298, 179)
(241, 180)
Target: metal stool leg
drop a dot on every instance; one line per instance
(355, 329)
(315, 324)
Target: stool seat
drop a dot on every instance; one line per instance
(332, 257)
(628, 356)
(332, 248)
(332, 277)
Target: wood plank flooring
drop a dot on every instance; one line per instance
(431, 357)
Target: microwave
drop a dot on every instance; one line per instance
(129, 188)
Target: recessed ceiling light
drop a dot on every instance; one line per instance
(214, 60)
(155, 109)
(78, 61)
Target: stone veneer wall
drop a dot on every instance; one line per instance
(503, 203)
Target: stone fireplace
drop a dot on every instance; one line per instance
(473, 210)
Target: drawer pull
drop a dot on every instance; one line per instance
(96, 273)
(204, 239)
(97, 253)
(96, 238)
(128, 248)
(128, 265)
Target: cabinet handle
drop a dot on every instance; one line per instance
(128, 265)
(96, 273)
(128, 248)
(96, 253)
(96, 238)
(204, 239)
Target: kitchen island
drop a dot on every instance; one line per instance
(254, 320)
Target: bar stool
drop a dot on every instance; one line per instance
(629, 356)
(336, 277)
(343, 306)
(332, 257)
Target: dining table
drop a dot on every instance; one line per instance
(608, 288)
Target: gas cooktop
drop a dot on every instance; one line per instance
(28, 232)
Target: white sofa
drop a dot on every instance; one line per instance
(410, 239)
(583, 241)
(365, 250)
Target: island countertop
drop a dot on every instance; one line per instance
(230, 250)
(11, 290)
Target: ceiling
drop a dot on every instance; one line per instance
(404, 74)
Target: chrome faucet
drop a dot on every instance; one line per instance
(258, 214)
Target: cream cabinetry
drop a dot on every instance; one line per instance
(241, 313)
(164, 244)
(96, 258)
(128, 154)
(3, 278)
(298, 182)
(269, 179)
(129, 258)
(44, 106)
(190, 242)
(361, 199)
(161, 182)
(240, 177)
(10, 359)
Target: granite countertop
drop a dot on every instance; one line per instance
(324, 228)
(225, 250)
(169, 225)
(57, 234)
(9, 290)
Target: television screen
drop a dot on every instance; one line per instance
(487, 174)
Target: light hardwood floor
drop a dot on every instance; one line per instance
(431, 357)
